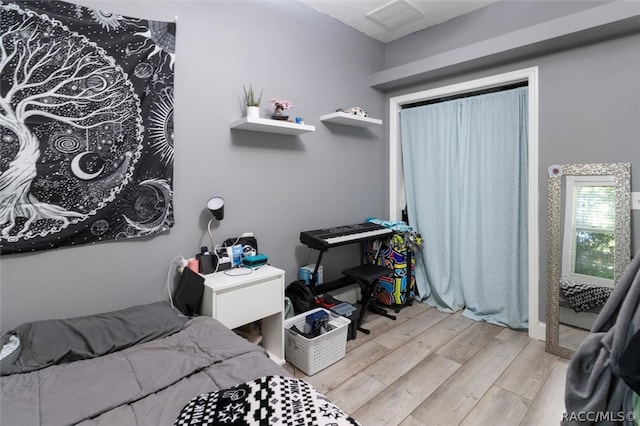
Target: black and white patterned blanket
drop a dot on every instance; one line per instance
(269, 400)
(584, 297)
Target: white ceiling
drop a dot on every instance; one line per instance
(387, 20)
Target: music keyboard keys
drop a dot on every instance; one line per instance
(323, 239)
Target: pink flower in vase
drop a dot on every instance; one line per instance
(280, 105)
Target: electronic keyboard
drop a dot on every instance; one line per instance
(326, 238)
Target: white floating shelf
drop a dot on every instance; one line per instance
(271, 126)
(350, 119)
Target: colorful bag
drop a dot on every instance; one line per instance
(399, 289)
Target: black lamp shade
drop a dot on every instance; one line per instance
(216, 207)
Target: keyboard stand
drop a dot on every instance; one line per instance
(327, 286)
(323, 239)
(332, 285)
(314, 274)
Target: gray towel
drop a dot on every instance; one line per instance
(593, 378)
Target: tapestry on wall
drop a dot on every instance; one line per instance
(86, 126)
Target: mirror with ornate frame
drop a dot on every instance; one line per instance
(573, 303)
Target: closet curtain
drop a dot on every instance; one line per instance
(465, 170)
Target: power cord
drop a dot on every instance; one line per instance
(209, 231)
(241, 268)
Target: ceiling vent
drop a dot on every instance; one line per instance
(395, 14)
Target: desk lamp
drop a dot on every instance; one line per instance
(216, 207)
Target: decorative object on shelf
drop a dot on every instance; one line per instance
(253, 111)
(353, 110)
(280, 105)
(253, 103)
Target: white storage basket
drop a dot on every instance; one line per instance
(312, 355)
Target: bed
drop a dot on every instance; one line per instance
(146, 365)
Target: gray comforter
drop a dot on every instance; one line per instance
(147, 384)
(593, 383)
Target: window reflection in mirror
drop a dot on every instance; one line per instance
(589, 230)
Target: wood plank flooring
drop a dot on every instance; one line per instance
(431, 368)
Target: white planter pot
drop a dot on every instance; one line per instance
(253, 111)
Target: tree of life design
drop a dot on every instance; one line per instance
(70, 126)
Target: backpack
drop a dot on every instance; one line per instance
(301, 296)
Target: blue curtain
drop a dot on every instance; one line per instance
(465, 166)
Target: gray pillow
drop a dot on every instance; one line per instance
(49, 342)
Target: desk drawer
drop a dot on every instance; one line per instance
(239, 306)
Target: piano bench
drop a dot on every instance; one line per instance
(367, 277)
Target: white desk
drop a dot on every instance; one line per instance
(241, 299)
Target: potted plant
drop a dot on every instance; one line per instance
(253, 103)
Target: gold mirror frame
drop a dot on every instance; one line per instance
(622, 254)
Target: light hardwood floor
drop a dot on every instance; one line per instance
(432, 368)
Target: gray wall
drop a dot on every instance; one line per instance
(491, 21)
(588, 104)
(274, 186)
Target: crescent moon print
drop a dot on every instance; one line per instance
(78, 166)
(149, 208)
(86, 126)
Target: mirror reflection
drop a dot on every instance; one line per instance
(588, 247)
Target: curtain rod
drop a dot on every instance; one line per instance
(467, 94)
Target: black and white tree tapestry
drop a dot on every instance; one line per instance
(86, 125)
